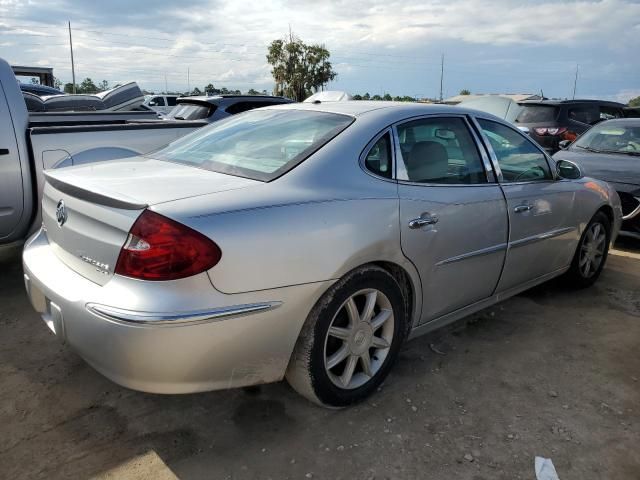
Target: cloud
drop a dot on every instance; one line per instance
(376, 45)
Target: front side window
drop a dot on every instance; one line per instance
(260, 144)
(439, 150)
(518, 158)
(378, 159)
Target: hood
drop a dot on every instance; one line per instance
(612, 168)
(143, 181)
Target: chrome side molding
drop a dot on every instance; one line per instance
(165, 319)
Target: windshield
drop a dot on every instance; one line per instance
(536, 113)
(190, 111)
(259, 144)
(614, 138)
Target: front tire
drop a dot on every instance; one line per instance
(350, 339)
(592, 252)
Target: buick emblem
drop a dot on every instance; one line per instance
(61, 213)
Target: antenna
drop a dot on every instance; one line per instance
(73, 68)
(575, 82)
(441, 76)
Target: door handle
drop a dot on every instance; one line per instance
(425, 219)
(522, 208)
(4, 151)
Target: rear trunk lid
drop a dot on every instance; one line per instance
(88, 211)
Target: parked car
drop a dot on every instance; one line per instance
(305, 241)
(33, 142)
(160, 103)
(40, 90)
(217, 107)
(610, 151)
(551, 121)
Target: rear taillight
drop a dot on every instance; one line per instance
(569, 135)
(552, 131)
(159, 248)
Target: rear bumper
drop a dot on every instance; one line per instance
(168, 337)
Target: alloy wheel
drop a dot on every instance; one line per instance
(359, 338)
(592, 250)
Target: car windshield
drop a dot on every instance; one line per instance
(536, 113)
(190, 111)
(614, 138)
(259, 144)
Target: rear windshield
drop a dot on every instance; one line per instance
(191, 111)
(537, 113)
(259, 144)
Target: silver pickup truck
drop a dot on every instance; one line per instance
(30, 144)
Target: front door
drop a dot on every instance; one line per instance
(11, 193)
(542, 235)
(453, 220)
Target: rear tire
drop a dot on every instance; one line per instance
(350, 339)
(592, 252)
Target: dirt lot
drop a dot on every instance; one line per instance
(552, 372)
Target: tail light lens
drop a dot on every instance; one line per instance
(569, 135)
(552, 131)
(159, 248)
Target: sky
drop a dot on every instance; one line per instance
(376, 46)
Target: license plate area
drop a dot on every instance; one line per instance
(50, 312)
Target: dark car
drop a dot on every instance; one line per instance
(40, 90)
(611, 151)
(217, 107)
(551, 121)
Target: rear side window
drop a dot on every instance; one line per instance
(157, 102)
(244, 106)
(261, 145)
(589, 114)
(608, 113)
(518, 158)
(537, 113)
(439, 150)
(191, 111)
(171, 101)
(378, 159)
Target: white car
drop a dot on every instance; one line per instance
(161, 103)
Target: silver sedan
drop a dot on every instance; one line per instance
(305, 241)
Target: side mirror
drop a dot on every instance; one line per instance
(564, 144)
(568, 170)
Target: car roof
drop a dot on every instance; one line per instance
(626, 122)
(357, 108)
(216, 98)
(569, 102)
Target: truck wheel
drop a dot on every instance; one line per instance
(591, 253)
(350, 339)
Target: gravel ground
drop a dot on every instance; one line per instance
(552, 372)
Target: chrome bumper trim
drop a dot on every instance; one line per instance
(164, 319)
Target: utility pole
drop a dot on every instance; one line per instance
(166, 90)
(73, 68)
(441, 75)
(188, 82)
(575, 82)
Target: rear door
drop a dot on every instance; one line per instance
(542, 226)
(11, 190)
(453, 219)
